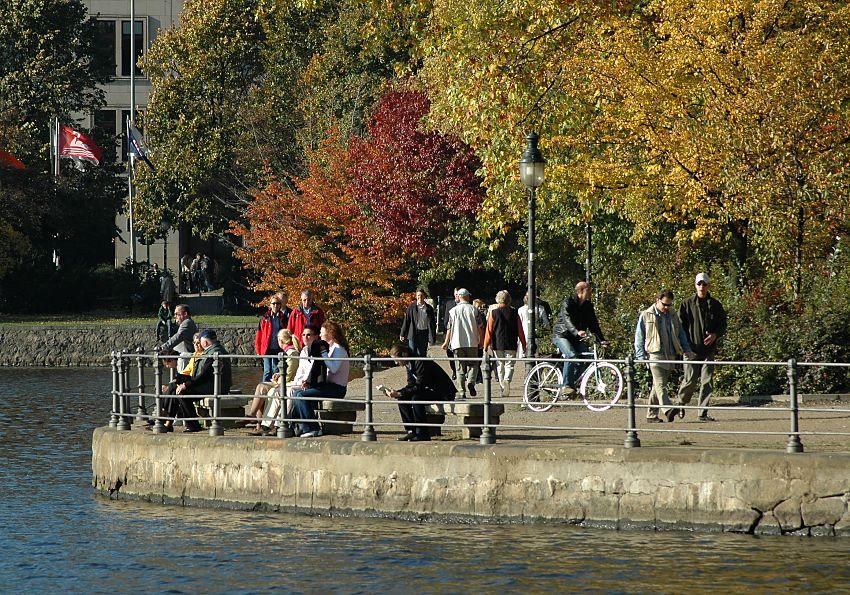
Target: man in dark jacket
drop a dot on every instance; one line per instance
(202, 381)
(419, 326)
(576, 318)
(429, 383)
(704, 321)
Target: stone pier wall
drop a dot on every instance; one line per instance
(651, 488)
(90, 345)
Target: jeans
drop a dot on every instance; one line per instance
(570, 368)
(270, 364)
(306, 410)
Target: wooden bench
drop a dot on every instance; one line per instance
(469, 413)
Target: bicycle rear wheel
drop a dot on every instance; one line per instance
(542, 387)
(601, 386)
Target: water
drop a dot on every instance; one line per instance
(56, 534)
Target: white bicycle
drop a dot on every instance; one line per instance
(600, 385)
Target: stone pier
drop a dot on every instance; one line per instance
(748, 491)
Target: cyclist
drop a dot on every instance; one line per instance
(576, 319)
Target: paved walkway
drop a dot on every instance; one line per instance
(577, 425)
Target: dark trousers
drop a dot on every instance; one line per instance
(306, 409)
(413, 413)
(418, 344)
(451, 355)
(179, 408)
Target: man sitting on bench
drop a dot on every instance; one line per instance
(202, 381)
(427, 382)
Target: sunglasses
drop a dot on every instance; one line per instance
(666, 305)
(702, 283)
(275, 303)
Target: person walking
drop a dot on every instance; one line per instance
(576, 319)
(273, 320)
(659, 336)
(450, 304)
(704, 321)
(462, 335)
(167, 288)
(504, 332)
(419, 327)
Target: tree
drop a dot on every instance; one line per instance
(223, 104)
(412, 182)
(314, 236)
(722, 118)
(50, 65)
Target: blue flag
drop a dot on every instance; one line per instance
(136, 143)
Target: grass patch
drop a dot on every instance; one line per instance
(113, 319)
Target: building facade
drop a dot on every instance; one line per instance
(114, 26)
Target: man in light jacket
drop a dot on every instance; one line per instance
(181, 340)
(659, 336)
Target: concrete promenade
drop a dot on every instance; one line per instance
(755, 491)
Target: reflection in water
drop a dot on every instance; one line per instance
(54, 533)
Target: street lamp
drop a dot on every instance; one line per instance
(532, 168)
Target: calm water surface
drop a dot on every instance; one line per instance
(55, 534)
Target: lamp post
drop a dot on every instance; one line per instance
(532, 167)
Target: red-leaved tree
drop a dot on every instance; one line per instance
(410, 181)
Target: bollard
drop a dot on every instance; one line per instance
(216, 429)
(368, 434)
(632, 440)
(113, 418)
(158, 427)
(488, 435)
(123, 423)
(141, 410)
(794, 443)
(283, 429)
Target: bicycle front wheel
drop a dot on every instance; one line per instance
(542, 387)
(601, 386)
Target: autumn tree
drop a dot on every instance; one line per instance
(727, 120)
(314, 236)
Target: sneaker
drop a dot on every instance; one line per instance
(705, 418)
(681, 413)
(313, 434)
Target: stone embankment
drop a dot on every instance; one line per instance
(747, 491)
(90, 345)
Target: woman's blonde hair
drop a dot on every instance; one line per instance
(285, 336)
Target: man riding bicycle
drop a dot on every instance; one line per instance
(575, 321)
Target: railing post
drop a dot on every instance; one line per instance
(794, 443)
(216, 429)
(141, 410)
(283, 429)
(368, 434)
(632, 440)
(123, 423)
(158, 427)
(488, 436)
(113, 418)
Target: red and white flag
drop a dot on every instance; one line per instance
(78, 145)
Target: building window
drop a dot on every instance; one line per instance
(113, 44)
(104, 120)
(105, 46)
(125, 46)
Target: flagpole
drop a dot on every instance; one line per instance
(130, 167)
(54, 141)
(132, 121)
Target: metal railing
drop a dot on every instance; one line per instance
(121, 415)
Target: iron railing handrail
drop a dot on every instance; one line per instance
(122, 391)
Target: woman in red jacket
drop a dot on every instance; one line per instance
(272, 322)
